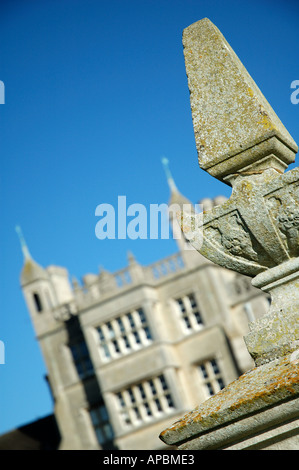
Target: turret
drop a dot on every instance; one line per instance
(35, 283)
(44, 289)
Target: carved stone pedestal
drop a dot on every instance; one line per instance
(260, 410)
(242, 142)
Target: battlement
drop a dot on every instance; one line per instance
(107, 284)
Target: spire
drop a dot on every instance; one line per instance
(176, 197)
(31, 270)
(169, 177)
(24, 246)
(131, 257)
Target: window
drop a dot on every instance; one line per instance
(144, 401)
(211, 378)
(101, 424)
(124, 334)
(82, 359)
(37, 302)
(189, 313)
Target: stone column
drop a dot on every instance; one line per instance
(241, 141)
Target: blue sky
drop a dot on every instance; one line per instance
(95, 94)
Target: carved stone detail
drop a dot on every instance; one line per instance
(285, 214)
(231, 234)
(256, 229)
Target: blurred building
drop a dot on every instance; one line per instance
(129, 352)
(42, 434)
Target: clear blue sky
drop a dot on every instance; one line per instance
(96, 93)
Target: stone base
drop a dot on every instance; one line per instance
(260, 410)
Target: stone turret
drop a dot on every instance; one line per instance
(44, 289)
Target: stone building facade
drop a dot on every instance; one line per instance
(129, 352)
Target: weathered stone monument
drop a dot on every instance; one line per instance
(241, 141)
